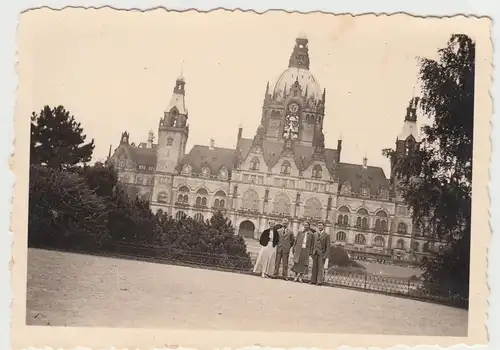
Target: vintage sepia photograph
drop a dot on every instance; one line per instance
(234, 171)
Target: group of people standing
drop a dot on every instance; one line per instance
(278, 241)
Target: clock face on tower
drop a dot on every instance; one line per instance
(293, 108)
(291, 126)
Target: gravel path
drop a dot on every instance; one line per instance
(78, 290)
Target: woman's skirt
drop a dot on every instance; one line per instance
(265, 260)
(302, 266)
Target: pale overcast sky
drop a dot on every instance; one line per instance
(115, 70)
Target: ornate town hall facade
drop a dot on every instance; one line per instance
(284, 171)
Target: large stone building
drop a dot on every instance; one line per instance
(284, 171)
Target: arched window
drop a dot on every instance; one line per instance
(416, 246)
(379, 241)
(219, 202)
(364, 223)
(312, 208)
(343, 209)
(183, 189)
(139, 180)
(317, 172)
(250, 200)
(162, 197)
(360, 239)
(402, 227)
(255, 164)
(381, 224)
(198, 217)
(381, 214)
(201, 199)
(173, 117)
(425, 247)
(343, 220)
(400, 244)
(180, 215)
(362, 211)
(341, 236)
(282, 204)
(183, 198)
(286, 168)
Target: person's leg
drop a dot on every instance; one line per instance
(285, 265)
(321, 264)
(277, 264)
(314, 275)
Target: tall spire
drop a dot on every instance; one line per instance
(411, 110)
(300, 55)
(410, 122)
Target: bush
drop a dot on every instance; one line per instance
(339, 258)
(63, 211)
(214, 238)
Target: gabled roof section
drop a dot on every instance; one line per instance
(303, 155)
(356, 175)
(215, 157)
(139, 155)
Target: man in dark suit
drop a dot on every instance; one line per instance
(320, 252)
(285, 243)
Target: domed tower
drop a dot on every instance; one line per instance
(294, 106)
(173, 131)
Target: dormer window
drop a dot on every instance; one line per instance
(286, 168)
(186, 170)
(205, 171)
(317, 172)
(255, 164)
(345, 189)
(223, 173)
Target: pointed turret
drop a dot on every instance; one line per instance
(410, 121)
(173, 131)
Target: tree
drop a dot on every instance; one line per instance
(57, 140)
(63, 211)
(435, 178)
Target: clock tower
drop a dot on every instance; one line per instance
(294, 106)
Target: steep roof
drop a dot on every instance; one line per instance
(177, 101)
(356, 174)
(214, 157)
(303, 155)
(140, 155)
